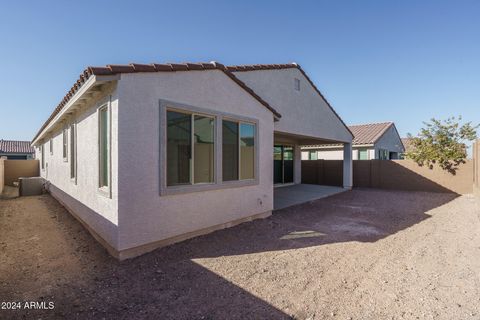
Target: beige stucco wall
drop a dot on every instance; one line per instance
(146, 216)
(303, 112)
(100, 212)
(14, 169)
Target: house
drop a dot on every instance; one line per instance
(16, 150)
(408, 145)
(371, 141)
(145, 155)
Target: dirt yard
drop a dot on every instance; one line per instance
(364, 254)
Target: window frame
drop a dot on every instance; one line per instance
(73, 152)
(65, 144)
(105, 190)
(383, 154)
(218, 182)
(192, 146)
(239, 124)
(367, 152)
(42, 156)
(51, 146)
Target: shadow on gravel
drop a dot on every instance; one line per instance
(167, 284)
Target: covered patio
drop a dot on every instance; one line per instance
(287, 196)
(287, 158)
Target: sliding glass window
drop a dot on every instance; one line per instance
(247, 151)
(238, 150)
(230, 150)
(190, 148)
(203, 149)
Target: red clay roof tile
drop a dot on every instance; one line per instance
(14, 146)
(369, 133)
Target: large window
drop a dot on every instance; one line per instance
(104, 147)
(203, 149)
(238, 150)
(190, 148)
(73, 153)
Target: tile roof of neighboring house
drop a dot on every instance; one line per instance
(364, 134)
(369, 133)
(13, 146)
(154, 67)
(255, 67)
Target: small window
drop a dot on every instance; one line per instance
(104, 147)
(65, 144)
(51, 146)
(312, 155)
(297, 84)
(238, 150)
(363, 154)
(42, 150)
(73, 153)
(190, 148)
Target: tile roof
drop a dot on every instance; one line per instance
(112, 69)
(364, 134)
(256, 67)
(369, 133)
(13, 146)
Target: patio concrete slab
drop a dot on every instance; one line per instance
(288, 196)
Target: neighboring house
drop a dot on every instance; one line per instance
(371, 141)
(148, 155)
(408, 145)
(16, 150)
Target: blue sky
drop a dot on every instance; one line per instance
(401, 61)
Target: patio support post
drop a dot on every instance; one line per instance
(297, 164)
(347, 166)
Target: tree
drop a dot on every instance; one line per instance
(442, 142)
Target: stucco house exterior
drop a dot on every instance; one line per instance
(371, 141)
(16, 150)
(145, 155)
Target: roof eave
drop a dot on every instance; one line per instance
(74, 103)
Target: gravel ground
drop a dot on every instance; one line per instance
(364, 254)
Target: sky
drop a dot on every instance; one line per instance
(374, 61)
